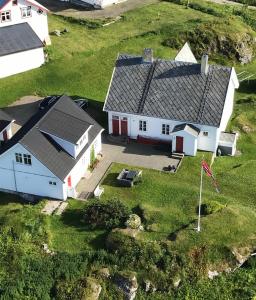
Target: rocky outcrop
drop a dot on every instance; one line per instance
(92, 290)
(127, 283)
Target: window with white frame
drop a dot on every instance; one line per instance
(18, 157)
(52, 182)
(143, 125)
(166, 129)
(205, 133)
(5, 16)
(26, 12)
(27, 159)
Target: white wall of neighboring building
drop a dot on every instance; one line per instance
(21, 62)
(154, 130)
(22, 178)
(38, 22)
(9, 132)
(102, 3)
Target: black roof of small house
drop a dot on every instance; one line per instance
(187, 127)
(18, 38)
(168, 89)
(32, 137)
(5, 120)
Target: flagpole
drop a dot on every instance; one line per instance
(200, 201)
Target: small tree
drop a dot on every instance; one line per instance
(92, 156)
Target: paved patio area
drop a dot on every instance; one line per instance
(132, 154)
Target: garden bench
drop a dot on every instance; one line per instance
(98, 191)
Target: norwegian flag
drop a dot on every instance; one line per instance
(209, 173)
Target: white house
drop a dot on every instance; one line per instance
(179, 102)
(101, 4)
(23, 33)
(51, 152)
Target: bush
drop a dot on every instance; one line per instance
(106, 214)
(211, 207)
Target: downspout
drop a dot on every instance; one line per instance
(14, 175)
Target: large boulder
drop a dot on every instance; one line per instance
(127, 283)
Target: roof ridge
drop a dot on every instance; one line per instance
(205, 95)
(147, 86)
(74, 117)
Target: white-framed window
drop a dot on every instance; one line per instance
(6, 16)
(115, 117)
(27, 159)
(205, 133)
(26, 12)
(52, 182)
(142, 125)
(18, 157)
(166, 129)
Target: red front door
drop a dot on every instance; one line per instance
(124, 127)
(179, 144)
(69, 182)
(5, 135)
(115, 126)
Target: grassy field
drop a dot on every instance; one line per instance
(81, 63)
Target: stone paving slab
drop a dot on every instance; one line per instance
(61, 208)
(50, 207)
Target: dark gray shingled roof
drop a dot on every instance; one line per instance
(168, 89)
(5, 120)
(187, 127)
(18, 38)
(43, 147)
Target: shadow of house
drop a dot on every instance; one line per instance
(248, 87)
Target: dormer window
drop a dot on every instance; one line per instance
(26, 12)
(6, 16)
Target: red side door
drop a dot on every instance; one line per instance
(5, 135)
(69, 182)
(179, 144)
(115, 126)
(124, 127)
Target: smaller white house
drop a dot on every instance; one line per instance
(50, 153)
(178, 102)
(23, 34)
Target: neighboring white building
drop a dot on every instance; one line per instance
(51, 152)
(181, 103)
(23, 33)
(94, 3)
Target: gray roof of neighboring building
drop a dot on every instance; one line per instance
(187, 127)
(168, 89)
(43, 147)
(18, 38)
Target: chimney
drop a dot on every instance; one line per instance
(148, 55)
(204, 65)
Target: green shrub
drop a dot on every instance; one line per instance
(211, 207)
(106, 214)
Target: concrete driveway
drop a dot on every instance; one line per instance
(132, 154)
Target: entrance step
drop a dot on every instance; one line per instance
(177, 155)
